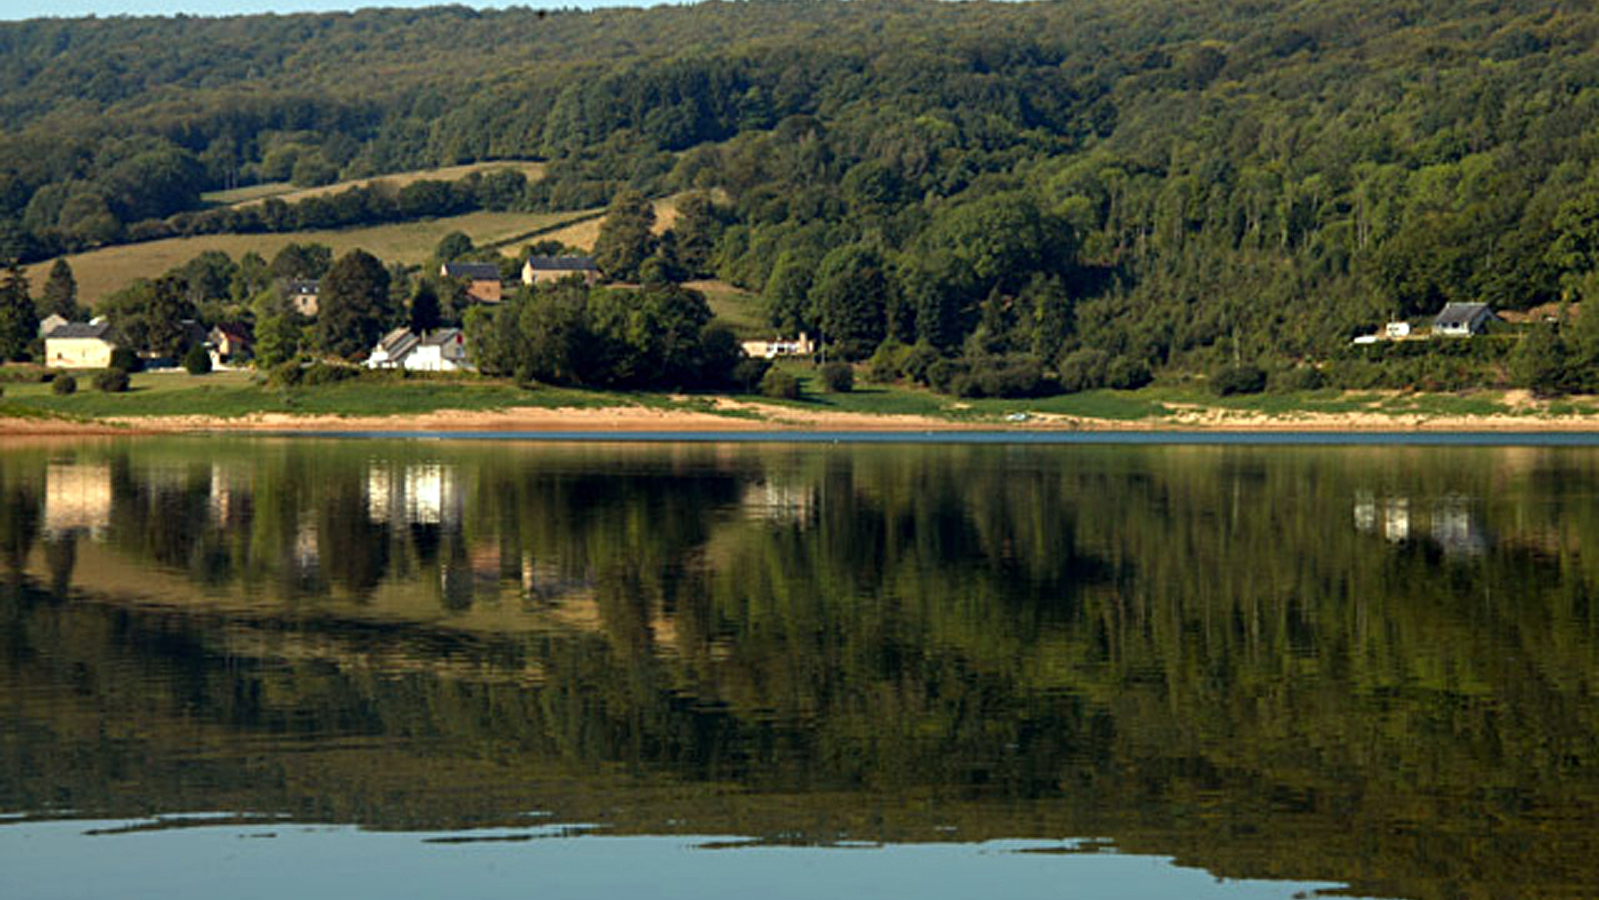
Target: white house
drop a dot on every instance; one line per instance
(800, 346)
(440, 350)
(539, 269)
(1463, 319)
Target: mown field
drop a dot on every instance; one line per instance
(101, 272)
(290, 193)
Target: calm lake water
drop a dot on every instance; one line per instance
(249, 668)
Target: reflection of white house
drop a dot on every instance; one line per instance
(1450, 522)
(1457, 529)
(77, 496)
(776, 502)
(440, 350)
(1389, 516)
(227, 495)
(425, 494)
(800, 346)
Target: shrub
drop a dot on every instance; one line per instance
(198, 360)
(888, 363)
(780, 384)
(1301, 378)
(748, 373)
(942, 375)
(918, 361)
(64, 385)
(1127, 374)
(1244, 379)
(838, 377)
(126, 360)
(1083, 370)
(328, 373)
(111, 381)
(286, 374)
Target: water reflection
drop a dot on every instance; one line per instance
(1371, 665)
(1454, 523)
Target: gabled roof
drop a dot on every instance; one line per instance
(233, 331)
(398, 341)
(1461, 314)
(440, 336)
(301, 285)
(80, 330)
(563, 263)
(474, 271)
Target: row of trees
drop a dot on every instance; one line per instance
(659, 336)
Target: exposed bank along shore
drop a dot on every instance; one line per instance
(739, 416)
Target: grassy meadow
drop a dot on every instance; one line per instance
(291, 193)
(104, 271)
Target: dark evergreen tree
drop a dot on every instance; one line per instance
(625, 239)
(424, 313)
(60, 293)
(19, 323)
(353, 305)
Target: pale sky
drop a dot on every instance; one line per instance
(29, 9)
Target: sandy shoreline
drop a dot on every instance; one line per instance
(740, 417)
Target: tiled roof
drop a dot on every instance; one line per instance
(563, 263)
(474, 271)
(80, 330)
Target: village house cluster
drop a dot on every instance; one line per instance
(90, 345)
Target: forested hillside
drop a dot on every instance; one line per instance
(1096, 187)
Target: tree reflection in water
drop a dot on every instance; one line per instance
(1371, 665)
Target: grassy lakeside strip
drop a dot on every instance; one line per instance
(237, 396)
(233, 395)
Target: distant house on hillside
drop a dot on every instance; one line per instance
(483, 279)
(1463, 319)
(79, 345)
(301, 294)
(539, 269)
(800, 346)
(440, 350)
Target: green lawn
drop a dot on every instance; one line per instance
(234, 394)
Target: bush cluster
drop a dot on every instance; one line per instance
(780, 385)
(111, 381)
(63, 385)
(838, 377)
(1241, 379)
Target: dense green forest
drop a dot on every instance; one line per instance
(1094, 188)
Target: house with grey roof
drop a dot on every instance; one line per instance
(539, 269)
(1463, 320)
(483, 279)
(302, 294)
(439, 350)
(79, 345)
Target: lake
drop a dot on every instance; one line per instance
(242, 667)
